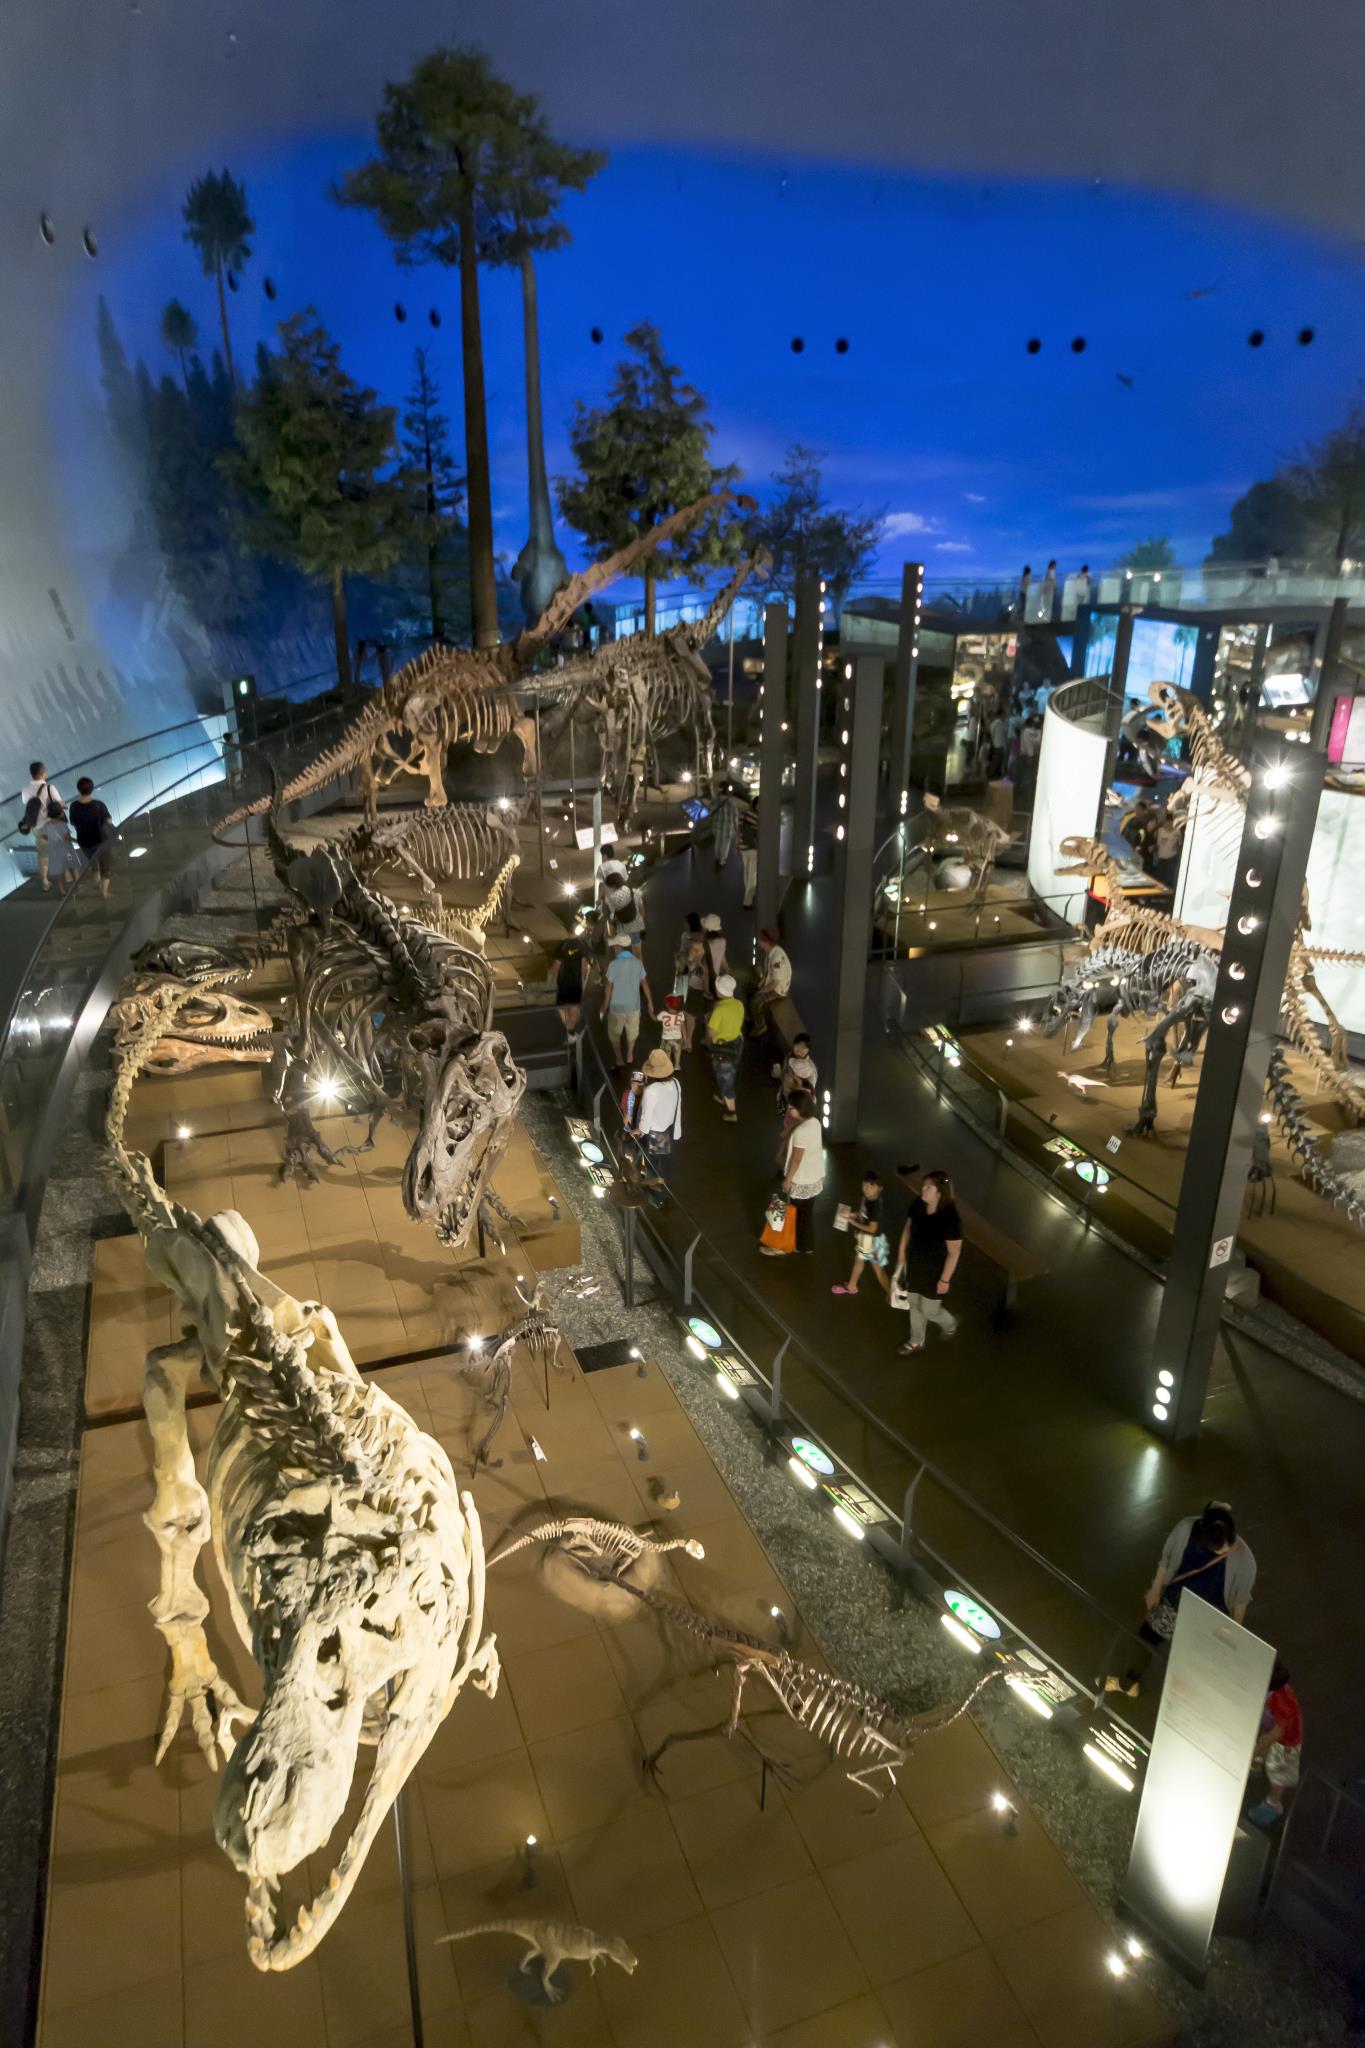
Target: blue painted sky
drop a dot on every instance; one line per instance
(981, 455)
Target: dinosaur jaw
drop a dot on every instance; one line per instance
(273, 1944)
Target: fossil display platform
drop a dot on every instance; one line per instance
(346, 1241)
(1309, 1255)
(815, 1919)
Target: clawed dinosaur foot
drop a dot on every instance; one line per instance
(214, 1708)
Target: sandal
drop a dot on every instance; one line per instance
(730, 1117)
(902, 1349)
(843, 1290)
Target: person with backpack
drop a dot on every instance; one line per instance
(623, 907)
(44, 815)
(94, 829)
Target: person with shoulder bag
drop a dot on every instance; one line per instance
(804, 1171)
(44, 815)
(659, 1119)
(1203, 1554)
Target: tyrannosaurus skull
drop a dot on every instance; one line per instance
(467, 1090)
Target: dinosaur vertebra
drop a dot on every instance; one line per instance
(552, 1942)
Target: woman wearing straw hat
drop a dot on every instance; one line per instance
(660, 1116)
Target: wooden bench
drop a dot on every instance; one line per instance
(1013, 1260)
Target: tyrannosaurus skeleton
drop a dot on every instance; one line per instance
(552, 1942)
(863, 1731)
(956, 832)
(397, 1019)
(451, 695)
(354, 1566)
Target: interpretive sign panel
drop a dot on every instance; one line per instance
(1193, 1793)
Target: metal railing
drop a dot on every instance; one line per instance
(936, 1517)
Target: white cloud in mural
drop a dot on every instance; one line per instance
(897, 525)
(974, 497)
(955, 547)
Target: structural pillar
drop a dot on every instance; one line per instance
(1326, 662)
(855, 839)
(1263, 912)
(1201, 669)
(1245, 724)
(1080, 639)
(904, 686)
(772, 750)
(807, 659)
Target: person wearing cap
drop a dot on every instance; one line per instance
(625, 983)
(715, 946)
(622, 906)
(725, 1042)
(660, 1115)
(775, 979)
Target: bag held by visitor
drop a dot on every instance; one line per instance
(843, 1216)
(899, 1296)
(779, 1235)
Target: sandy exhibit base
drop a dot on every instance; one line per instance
(812, 1919)
(1311, 1260)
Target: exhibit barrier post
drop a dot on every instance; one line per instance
(400, 1838)
(904, 688)
(860, 731)
(1263, 915)
(772, 703)
(806, 661)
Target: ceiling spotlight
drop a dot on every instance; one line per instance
(182, 1131)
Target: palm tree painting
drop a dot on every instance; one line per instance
(180, 334)
(218, 222)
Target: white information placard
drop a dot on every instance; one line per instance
(1193, 1793)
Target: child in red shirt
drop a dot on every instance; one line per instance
(1277, 1747)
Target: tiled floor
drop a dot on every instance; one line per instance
(803, 1922)
(346, 1241)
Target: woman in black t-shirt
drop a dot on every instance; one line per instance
(869, 1241)
(930, 1247)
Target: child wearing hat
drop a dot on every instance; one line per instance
(672, 1025)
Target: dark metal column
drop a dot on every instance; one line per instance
(1201, 669)
(1263, 911)
(772, 750)
(1245, 723)
(855, 835)
(1326, 662)
(806, 659)
(904, 687)
(1080, 639)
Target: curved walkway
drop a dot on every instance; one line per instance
(1038, 1421)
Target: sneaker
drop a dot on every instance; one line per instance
(730, 1117)
(1265, 1815)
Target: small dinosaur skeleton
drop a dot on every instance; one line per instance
(492, 1369)
(1174, 984)
(608, 1549)
(858, 1727)
(354, 1566)
(456, 842)
(552, 1942)
(451, 695)
(957, 832)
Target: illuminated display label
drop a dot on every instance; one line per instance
(855, 1502)
(578, 1129)
(974, 1616)
(1091, 1170)
(1064, 1148)
(600, 1176)
(812, 1455)
(591, 1152)
(705, 1332)
(734, 1368)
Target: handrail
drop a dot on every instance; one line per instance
(832, 1380)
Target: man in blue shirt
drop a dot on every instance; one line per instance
(626, 981)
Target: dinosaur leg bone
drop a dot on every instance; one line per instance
(179, 1520)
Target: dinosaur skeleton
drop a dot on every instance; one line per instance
(957, 832)
(188, 960)
(396, 1018)
(1130, 932)
(452, 695)
(552, 1942)
(354, 1566)
(1173, 984)
(641, 690)
(205, 1025)
(858, 1727)
(604, 1548)
(456, 842)
(540, 1334)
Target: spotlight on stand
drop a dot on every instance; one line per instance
(1007, 1811)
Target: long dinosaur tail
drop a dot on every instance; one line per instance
(518, 1928)
(1316, 1169)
